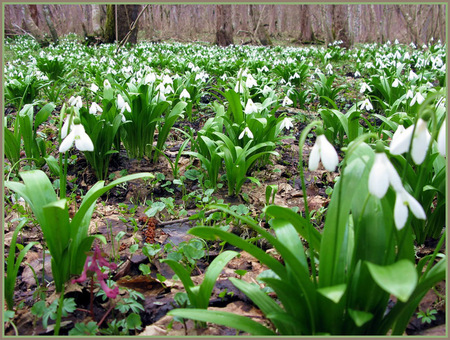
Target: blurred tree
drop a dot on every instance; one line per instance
(124, 16)
(224, 27)
(259, 29)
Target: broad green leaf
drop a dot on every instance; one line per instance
(360, 317)
(333, 293)
(399, 279)
(227, 319)
(211, 274)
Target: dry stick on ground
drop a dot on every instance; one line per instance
(187, 219)
(133, 26)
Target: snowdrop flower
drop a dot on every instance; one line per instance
(286, 123)
(94, 88)
(323, 150)
(246, 132)
(417, 97)
(122, 105)
(404, 200)
(266, 90)
(329, 68)
(401, 141)
(412, 75)
(106, 84)
(396, 83)
(185, 94)
(169, 89)
(76, 101)
(250, 82)
(287, 101)
(250, 107)
(357, 74)
(366, 104)
(77, 134)
(441, 138)
(409, 94)
(150, 78)
(224, 77)
(95, 108)
(167, 80)
(383, 174)
(239, 88)
(365, 87)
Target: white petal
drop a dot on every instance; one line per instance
(400, 211)
(378, 179)
(314, 158)
(84, 143)
(242, 134)
(67, 143)
(420, 143)
(65, 128)
(120, 101)
(400, 143)
(415, 206)
(328, 154)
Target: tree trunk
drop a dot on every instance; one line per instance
(126, 15)
(49, 21)
(30, 26)
(340, 24)
(259, 29)
(306, 31)
(96, 19)
(224, 27)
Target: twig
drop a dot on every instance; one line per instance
(186, 219)
(133, 26)
(20, 28)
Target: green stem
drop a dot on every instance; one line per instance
(59, 312)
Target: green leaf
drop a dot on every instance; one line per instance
(223, 318)
(399, 279)
(360, 317)
(134, 321)
(211, 274)
(334, 293)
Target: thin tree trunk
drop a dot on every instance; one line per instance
(224, 27)
(49, 21)
(30, 26)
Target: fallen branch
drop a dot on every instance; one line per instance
(186, 219)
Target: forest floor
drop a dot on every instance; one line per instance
(126, 203)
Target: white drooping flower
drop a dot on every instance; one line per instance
(286, 123)
(106, 84)
(246, 132)
(417, 97)
(325, 152)
(287, 101)
(250, 82)
(76, 101)
(239, 88)
(366, 104)
(95, 108)
(122, 105)
(382, 175)
(250, 107)
(412, 75)
(402, 140)
(365, 87)
(77, 134)
(150, 78)
(404, 200)
(396, 83)
(94, 88)
(441, 139)
(266, 90)
(185, 94)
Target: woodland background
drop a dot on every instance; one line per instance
(250, 23)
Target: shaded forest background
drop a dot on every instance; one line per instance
(250, 23)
